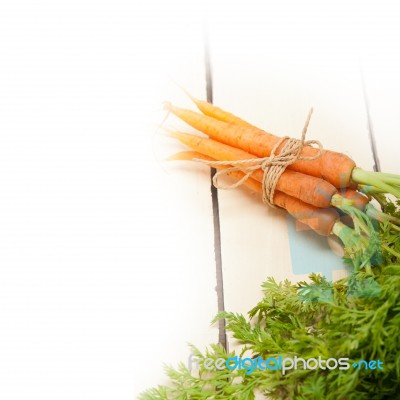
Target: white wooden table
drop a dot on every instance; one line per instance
(107, 253)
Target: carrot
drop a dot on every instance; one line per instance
(307, 188)
(359, 200)
(334, 167)
(318, 219)
(321, 220)
(218, 113)
(189, 156)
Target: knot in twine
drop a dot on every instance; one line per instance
(273, 165)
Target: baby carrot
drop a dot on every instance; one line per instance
(359, 200)
(334, 167)
(321, 220)
(218, 113)
(307, 188)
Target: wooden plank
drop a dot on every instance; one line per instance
(380, 64)
(270, 66)
(107, 259)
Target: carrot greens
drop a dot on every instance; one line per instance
(355, 317)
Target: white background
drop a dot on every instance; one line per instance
(106, 253)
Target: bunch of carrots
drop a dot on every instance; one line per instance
(312, 191)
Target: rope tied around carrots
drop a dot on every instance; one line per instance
(273, 166)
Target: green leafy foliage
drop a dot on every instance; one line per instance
(357, 317)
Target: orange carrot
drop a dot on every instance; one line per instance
(218, 113)
(319, 220)
(359, 200)
(334, 167)
(307, 188)
(189, 156)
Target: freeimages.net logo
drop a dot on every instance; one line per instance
(280, 363)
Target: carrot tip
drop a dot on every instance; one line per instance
(173, 134)
(181, 156)
(183, 89)
(167, 132)
(191, 97)
(174, 157)
(194, 99)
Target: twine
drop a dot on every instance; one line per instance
(273, 165)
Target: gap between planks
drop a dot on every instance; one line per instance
(215, 206)
(370, 127)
